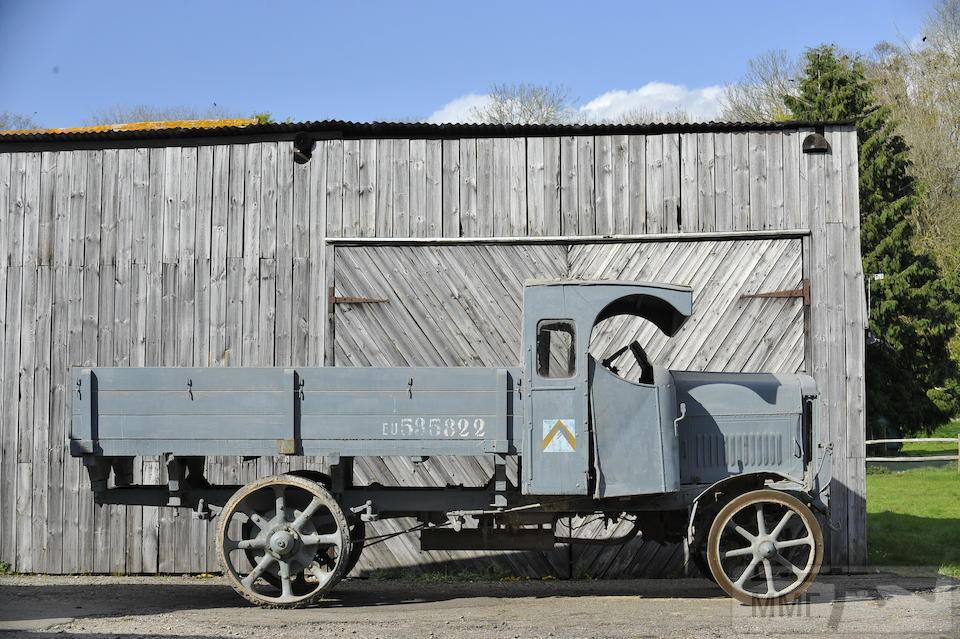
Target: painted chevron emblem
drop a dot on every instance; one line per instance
(559, 436)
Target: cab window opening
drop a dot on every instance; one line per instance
(556, 349)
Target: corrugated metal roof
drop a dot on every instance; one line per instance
(154, 125)
(340, 128)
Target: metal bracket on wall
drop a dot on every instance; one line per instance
(802, 292)
(348, 299)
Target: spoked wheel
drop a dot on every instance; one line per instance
(357, 534)
(293, 534)
(765, 547)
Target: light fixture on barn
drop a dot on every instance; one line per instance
(816, 143)
(302, 148)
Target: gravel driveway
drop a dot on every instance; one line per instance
(881, 605)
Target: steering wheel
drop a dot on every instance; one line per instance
(608, 362)
(646, 368)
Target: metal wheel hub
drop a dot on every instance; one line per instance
(765, 548)
(283, 542)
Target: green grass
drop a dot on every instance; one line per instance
(913, 519)
(950, 429)
(5, 568)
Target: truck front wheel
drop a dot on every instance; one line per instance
(765, 547)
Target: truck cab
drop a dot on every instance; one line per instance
(590, 430)
(594, 432)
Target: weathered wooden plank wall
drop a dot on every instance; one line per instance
(214, 255)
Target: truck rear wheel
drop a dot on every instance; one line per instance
(293, 534)
(765, 547)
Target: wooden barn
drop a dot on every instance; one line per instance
(347, 244)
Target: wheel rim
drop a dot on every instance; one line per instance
(292, 534)
(765, 546)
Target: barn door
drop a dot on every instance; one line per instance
(459, 305)
(453, 305)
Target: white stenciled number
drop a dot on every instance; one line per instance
(435, 427)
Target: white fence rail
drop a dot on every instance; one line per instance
(918, 458)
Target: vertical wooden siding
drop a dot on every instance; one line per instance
(214, 256)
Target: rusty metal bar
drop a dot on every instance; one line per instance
(803, 292)
(351, 299)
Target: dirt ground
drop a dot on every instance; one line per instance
(882, 605)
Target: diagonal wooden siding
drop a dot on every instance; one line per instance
(445, 306)
(460, 305)
(725, 332)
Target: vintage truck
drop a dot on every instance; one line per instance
(725, 462)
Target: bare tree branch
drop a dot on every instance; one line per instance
(921, 84)
(15, 121)
(758, 97)
(653, 116)
(119, 114)
(525, 104)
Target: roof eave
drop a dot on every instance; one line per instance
(334, 129)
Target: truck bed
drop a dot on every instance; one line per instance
(294, 411)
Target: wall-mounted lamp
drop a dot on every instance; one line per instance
(302, 148)
(816, 143)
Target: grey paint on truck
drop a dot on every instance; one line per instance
(592, 434)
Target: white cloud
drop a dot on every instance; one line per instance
(459, 110)
(655, 97)
(652, 98)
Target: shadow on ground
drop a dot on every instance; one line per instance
(56, 598)
(47, 599)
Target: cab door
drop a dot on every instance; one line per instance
(635, 445)
(557, 451)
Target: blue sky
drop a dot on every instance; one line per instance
(60, 61)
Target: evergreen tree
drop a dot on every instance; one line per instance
(913, 312)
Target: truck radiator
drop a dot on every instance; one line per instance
(732, 451)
